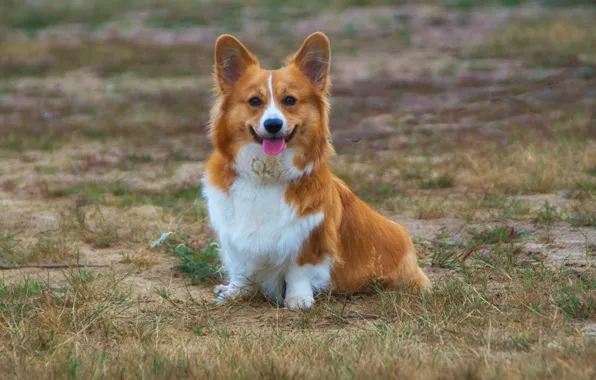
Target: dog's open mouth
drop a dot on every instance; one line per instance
(273, 146)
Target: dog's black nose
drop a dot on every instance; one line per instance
(273, 125)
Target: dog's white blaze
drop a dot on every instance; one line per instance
(271, 112)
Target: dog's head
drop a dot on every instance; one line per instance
(275, 118)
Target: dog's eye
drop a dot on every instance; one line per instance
(289, 101)
(255, 102)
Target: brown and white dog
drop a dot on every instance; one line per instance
(283, 220)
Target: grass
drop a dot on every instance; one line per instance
(181, 14)
(442, 182)
(488, 244)
(141, 259)
(126, 194)
(34, 58)
(377, 193)
(548, 214)
(469, 5)
(582, 190)
(428, 208)
(47, 246)
(547, 42)
(201, 264)
(583, 218)
(103, 143)
(575, 306)
(401, 328)
(541, 169)
(527, 164)
(446, 253)
(15, 143)
(33, 17)
(498, 234)
(177, 14)
(98, 232)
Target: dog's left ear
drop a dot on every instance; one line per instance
(232, 59)
(314, 59)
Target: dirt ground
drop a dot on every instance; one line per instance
(473, 125)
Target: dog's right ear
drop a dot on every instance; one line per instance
(232, 59)
(314, 59)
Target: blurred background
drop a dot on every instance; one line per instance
(470, 122)
(470, 110)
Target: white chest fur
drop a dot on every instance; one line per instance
(255, 220)
(260, 234)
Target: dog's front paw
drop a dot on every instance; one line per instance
(299, 302)
(220, 289)
(229, 292)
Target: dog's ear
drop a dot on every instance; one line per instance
(232, 59)
(314, 59)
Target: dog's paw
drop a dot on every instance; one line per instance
(299, 302)
(220, 289)
(229, 292)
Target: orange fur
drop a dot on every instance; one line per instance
(366, 247)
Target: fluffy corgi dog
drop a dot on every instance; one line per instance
(285, 223)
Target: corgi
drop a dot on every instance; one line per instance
(286, 225)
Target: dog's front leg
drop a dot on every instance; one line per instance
(302, 281)
(240, 278)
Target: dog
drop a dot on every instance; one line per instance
(287, 225)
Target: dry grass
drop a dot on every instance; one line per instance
(490, 163)
(557, 155)
(140, 258)
(548, 41)
(474, 324)
(527, 168)
(50, 246)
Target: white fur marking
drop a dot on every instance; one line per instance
(303, 281)
(260, 234)
(272, 112)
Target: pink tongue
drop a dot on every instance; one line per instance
(273, 147)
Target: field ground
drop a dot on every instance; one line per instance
(473, 125)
